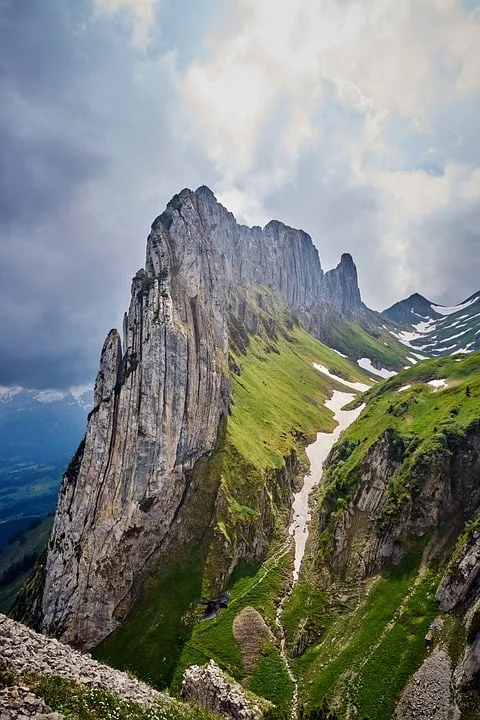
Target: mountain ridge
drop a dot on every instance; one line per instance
(196, 445)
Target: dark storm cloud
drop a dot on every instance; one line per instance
(39, 175)
(89, 155)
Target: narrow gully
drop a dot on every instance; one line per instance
(317, 453)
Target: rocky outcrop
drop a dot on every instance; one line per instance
(208, 687)
(428, 695)
(341, 286)
(459, 591)
(461, 583)
(19, 703)
(25, 651)
(160, 394)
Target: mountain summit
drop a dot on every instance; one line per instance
(161, 394)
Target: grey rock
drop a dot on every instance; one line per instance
(209, 687)
(428, 695)
(461, 576)
(24, 650)
(447, 488)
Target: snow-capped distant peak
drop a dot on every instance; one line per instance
(447, 330)
(8, 392)
(78, 390)
(46, 396)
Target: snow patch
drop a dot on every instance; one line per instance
(366, 364)
(452, 337)
(436, 384)
(317, 453)
(425, 327)
(442, 310)
(354, 385)
(406, 337)
(47, 396)
(467, 349)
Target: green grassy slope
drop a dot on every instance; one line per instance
(353, 634)
(422, 418)
(366, 654)
(369, 336)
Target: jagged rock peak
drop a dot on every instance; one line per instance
(158, 405)
(278, 256)
(341, 284)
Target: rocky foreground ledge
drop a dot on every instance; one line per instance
(25, 651)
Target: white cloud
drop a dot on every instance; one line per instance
(326, 80)
(142, 12)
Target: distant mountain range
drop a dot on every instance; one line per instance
(436, 330)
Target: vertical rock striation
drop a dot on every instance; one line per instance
(157, 407)
(159, 396)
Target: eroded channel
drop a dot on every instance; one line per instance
(301, 513)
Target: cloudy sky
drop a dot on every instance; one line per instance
(355, 120)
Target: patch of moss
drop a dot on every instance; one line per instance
(271, 680)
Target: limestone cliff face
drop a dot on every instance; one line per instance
(158, 402)
(277, 257)
(159, 396)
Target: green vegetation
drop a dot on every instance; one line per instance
(258, 588)
(14, 565)
(151, 639)
(240, 492)
(303, 616)
(348, 665)
(80, 702)
(418, 421)
(343, 640)
(277, 408)
(366, 339)
(279, 396)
